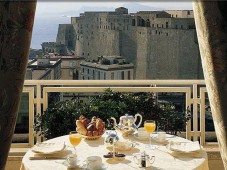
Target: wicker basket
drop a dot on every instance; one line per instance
(91, 137)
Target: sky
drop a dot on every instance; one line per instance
(50, 14)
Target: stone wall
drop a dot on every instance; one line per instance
(158, 51)
(66, 36)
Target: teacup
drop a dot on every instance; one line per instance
(124, 145)
(72, 159)
(94, 162)
(161, 136)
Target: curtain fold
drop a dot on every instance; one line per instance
(211, 26)
(16, 24)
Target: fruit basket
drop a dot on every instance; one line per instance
(90, 129)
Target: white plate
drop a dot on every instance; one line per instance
(155, 138)
(103, 167)
(142, 138)
(72, 166)
(184, 147)
(48, 148)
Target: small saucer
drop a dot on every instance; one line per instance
(142, 138)
(155, 138)
(103, 167)
(78, 162)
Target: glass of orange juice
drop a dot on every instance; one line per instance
(75, 139)
(150, 126)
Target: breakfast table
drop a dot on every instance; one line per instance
(164, 158)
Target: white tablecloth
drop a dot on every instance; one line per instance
(163, 159)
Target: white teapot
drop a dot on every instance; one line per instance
(127, 122)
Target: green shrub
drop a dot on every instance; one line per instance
(59, 118)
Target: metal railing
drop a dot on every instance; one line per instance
(194, 90)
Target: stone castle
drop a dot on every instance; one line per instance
(160, 44)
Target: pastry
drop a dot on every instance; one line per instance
(79, 124)
(89, 133)
(95, 133)
(82, 130)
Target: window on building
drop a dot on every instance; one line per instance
(99, 75)
(104, 76)
(148, 23)
(122, 75)
(181, 27)
(167, 25)
(188, 12)
(93, 74)
(129, 75)
(133, 22)
(70, 73)
(112, 76)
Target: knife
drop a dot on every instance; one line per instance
(45, 157)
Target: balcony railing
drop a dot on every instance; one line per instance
(194, 90)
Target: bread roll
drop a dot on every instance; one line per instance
(90, 127)
(81, 117)
(99, 123)
(100, 131)
(89, 133)
(95, 133)
(79, 124)
(82, 130)
(85, 122)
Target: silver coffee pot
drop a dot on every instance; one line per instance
(127, 121)
(144, 160)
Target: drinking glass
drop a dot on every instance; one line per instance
(75, 139)
(150, 126)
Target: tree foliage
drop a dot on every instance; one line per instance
(59, 118)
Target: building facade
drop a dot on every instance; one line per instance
(107, 68)
(160, 44)
(44, 68)
(70, 66)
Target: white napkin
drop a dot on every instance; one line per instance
(186, 147)
(48, 148)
